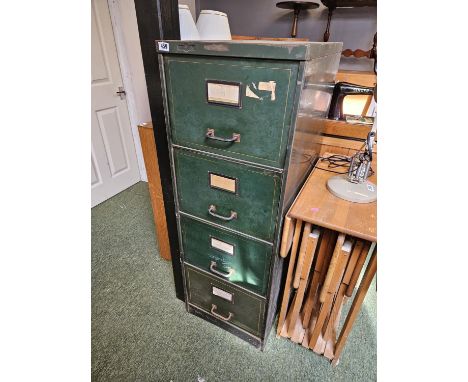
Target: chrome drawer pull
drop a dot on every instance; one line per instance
(210, 134)
(212, 212)
(219, 273)
(213, 312)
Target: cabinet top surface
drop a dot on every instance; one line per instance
(279, 50)
(316, 205)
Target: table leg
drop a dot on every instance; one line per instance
(287, 286)
(356, 306)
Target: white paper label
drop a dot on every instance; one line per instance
(223, 93)
(163, 46)
(221, 293)
(222, 246)
(269, 86)
(250, 93)
(222, 182)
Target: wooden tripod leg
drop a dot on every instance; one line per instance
(357, 269)
(302, 254)
(330, 331)
(338, 277)
(287, 286)
(310, 299)
(315, 332)
(288, 232)
(356, 306)
(309, 253)
(332, 323)
(323, 267)
(331, 269)
(314, 283)
(334, 275)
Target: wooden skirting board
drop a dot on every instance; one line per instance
(150, 156)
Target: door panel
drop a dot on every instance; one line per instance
(94, 174)
(114, 165)
(250, 98)
(111, 130)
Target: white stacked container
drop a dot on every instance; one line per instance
(188, 29)
(213, 25)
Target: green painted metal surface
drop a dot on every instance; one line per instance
(255, 202)
(278, 50)
(262, 101)
(247, 262)
(262, 119)
(244, 310)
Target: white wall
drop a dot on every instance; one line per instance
(191, 5)
(355, 27)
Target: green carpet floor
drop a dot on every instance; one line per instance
(141, 332)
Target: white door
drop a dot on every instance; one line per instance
(114, 165)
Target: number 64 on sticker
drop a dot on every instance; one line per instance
(163, 46)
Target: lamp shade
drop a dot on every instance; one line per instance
(188, 29)
(213, 25)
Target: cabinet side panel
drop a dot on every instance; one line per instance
(318, 83)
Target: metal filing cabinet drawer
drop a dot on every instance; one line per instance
(236, 196)
(225, 97)
(225, 301)
(239, 260)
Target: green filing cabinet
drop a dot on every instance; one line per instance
(244, 122)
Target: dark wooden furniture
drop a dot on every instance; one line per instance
(159, 19)
(334, 4)
(359, 53)
(335, 237)
(297, 6)
(342, 129)
(244, 123)
(150, 156)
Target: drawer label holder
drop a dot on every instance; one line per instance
(222, 182)
(221, 293)
(222, 246)
(223, 93)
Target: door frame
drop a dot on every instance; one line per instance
(117, 28)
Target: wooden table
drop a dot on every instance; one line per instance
(316, 205)
(333, 237)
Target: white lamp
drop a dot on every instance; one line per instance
(188, 29)
(213, 25)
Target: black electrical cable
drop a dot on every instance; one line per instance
(337, 160)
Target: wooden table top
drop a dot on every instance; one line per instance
(316, 205)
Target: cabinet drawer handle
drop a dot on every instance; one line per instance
(212, 212)
(210, 134)
(219, 273)
(213, 312)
